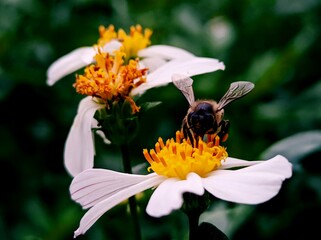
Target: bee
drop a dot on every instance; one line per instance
(206, 116)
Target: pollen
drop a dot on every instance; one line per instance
(137, 39)
(110, 80)
(178, 157)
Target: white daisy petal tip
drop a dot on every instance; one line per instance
(286, 165)
(252, 184)
(69, 63)
(77, 233)
(222, 66)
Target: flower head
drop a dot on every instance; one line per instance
(208, 169)
(110, 80)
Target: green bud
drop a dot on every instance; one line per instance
(118, 122)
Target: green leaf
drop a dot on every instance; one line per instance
(295, 147)
(148, 105)
(228, 219)
(209, 231)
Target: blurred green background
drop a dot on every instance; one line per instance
(272, 43)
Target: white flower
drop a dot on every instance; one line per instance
(253, 182)
(79, 149)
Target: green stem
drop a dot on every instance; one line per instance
(132, 200)
(193, 207)
(193, 218)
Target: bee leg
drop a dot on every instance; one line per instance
(188, 134)
(223, 133)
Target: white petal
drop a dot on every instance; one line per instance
(188, 67)
(95, 185)
(165, 52)
(79, 147)
(152, 63)
(69, 63)
(234, 162)
(119, 195)
(169, 194)
(102, 135)
(250, 185)
(111, 46)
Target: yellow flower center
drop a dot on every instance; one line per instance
(106, 35)
(177, 158)
(136, 40)
(110, 80)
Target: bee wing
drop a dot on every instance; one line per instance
(184, 84)
(236, 90)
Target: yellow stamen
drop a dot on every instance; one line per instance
(178, 157)
(173, 147)
(163, 161)
(147, 156)
(160, 140)
(154, 155)
(178, 137)
(110, 80)
(157, 147)
(136, 40)
(183, 155)
(133, 105)
(106, 35)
